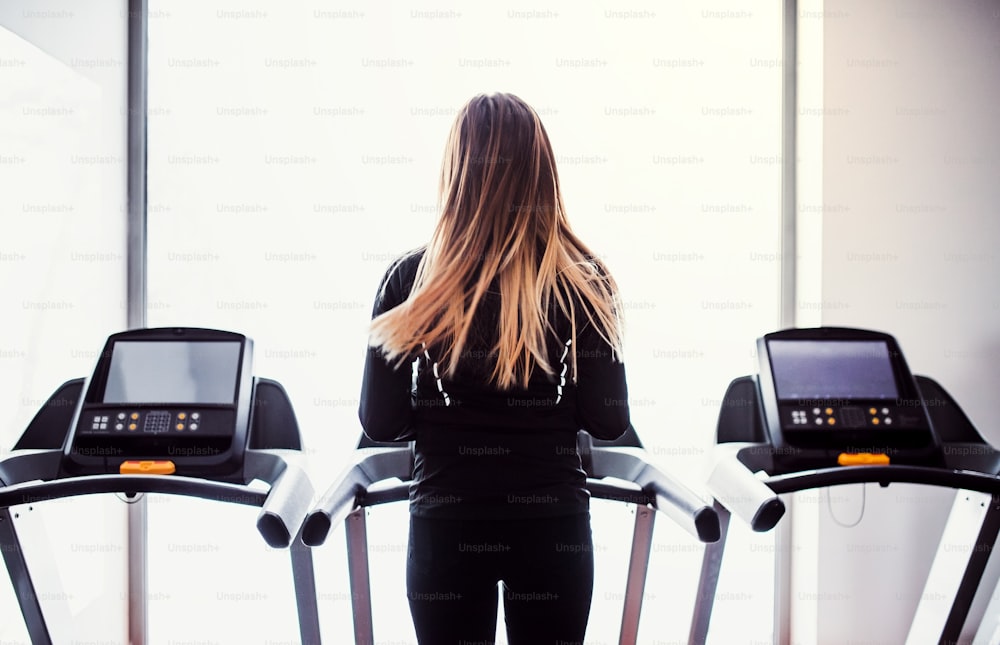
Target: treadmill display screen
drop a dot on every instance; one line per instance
(841, 369)
(203, 372)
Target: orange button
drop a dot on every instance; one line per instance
(183, 416)
(134, 416)
(831, 421)
(180, 426)
(875, 421)
(132, 426)
(147, 468)
(872, 411)
(862, 459)
(828, 411)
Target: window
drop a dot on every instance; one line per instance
(293, 153)
(62, 273)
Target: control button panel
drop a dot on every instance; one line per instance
(155, 422)
(848, 416)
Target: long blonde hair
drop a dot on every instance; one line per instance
(502, 219)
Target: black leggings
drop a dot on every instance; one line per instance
(547, 569)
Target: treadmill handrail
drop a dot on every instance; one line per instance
(289, 498)
(754, 498)
(283, 505)
(367, 466)
(671, 497)
(39, 491)
(372, 465)
(899, 474)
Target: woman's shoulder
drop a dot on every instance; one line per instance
(398, 280)
(408, 261)
(404, 267)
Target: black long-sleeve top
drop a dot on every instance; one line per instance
(482, 452)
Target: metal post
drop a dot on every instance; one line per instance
(708, 581)
(136, 289)
(136, 123)
(304, 579)
(788, 171)
(638, 565)
(138, 570)
(782, 621)
(789, 268)
(361, 591)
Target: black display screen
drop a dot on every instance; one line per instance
(173, 372)
(837, 369)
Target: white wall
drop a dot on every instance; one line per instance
(910, 189)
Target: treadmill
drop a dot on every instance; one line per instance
(832, 406)
(616, 470)
(175, 411)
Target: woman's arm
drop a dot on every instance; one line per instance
(385, 410)
(602, 393)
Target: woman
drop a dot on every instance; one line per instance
(490, 348)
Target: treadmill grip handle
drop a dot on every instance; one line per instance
(746, 496)
(316, 528)
(369, 465)
(685, 507)
(285, 507)
(706, 525)
(336, 504)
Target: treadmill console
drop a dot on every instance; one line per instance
(163, 401)
(842, 392)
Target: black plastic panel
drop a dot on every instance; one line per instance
(50, 425)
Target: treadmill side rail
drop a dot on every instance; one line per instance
(368, 465)
(969, 538)
(685, 507)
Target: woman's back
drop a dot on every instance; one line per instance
(482, 451)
